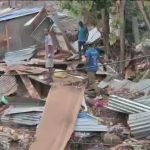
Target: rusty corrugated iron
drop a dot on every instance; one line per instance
(8, 84)
(59, 118)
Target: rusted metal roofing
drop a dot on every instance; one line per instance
(139, 124)
(123, 105)
(59, 118)
(67, 23)
(8, 84)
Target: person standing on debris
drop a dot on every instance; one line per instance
(82, 36)
(91, 59)
(49, 63)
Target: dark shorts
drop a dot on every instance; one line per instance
(80, 46)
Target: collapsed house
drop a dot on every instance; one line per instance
(13, 34)
(57, 113)
(22, 76)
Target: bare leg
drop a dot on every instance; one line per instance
(51, 73)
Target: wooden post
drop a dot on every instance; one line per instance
(7, 36)
(29, 86)
(135, 30)
(140, 4)
(122, 37)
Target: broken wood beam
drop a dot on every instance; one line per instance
(29, 86)
(59, 117)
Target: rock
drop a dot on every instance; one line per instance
(82, 134)
(111, 139)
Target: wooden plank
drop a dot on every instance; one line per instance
(7, 35)
(59, 118)
(38, 80)
(29, 86)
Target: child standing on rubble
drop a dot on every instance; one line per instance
(49, 54)
(82, 36)
(91, 59)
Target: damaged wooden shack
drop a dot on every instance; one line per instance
(34, 103)
(22, 78)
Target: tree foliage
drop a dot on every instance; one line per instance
(92, 7)
(76, 7)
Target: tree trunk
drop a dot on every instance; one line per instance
(141, 7)
(122, 37)
(9, 3)
(106, 31)
(135, 29)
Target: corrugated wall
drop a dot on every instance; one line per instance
(20, 35)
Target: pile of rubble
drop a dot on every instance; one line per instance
(37, 112)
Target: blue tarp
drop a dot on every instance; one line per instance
(86, 123)
(19, 13)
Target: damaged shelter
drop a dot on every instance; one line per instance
(39, 115)
(13, 34)
(30, 99)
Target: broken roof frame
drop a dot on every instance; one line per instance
(13, 14)
(38, 34)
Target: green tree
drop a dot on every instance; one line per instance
(94, 12)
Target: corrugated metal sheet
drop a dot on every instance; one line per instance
(140, 124)
(144, 100)
(18, 57)
(86, 123)
(17, 101)
(126, 106)
(16, 110)
(38, 33)
(6, 10)
(19, 13)
(94, 34)
(30, 118)
(58, 37)
(23, 115)
(64, 38)
(143, 85)
(8, 84)
(37, 19)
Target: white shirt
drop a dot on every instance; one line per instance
(48, 42)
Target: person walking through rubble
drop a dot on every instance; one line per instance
(91, 59)
(49, 54)
(82, 37)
